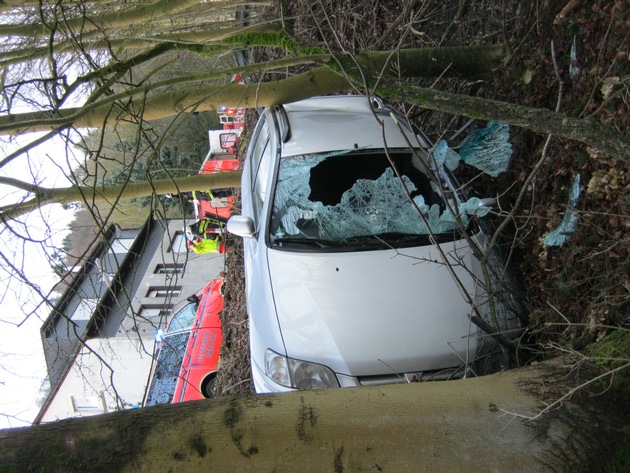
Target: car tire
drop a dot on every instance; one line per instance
(207, 386)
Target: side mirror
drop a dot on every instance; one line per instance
(242, 226)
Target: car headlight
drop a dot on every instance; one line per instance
(298, 374)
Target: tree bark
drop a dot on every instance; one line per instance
(454, 426)
(470, 62)
(110, 20)
(185, 40)
(320, 81)
(323, 80)
(65, 195)
(589, 132)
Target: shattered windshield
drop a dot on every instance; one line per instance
(354, 200)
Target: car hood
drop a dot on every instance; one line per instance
(374, 312)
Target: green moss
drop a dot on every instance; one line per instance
(280, 39)
(613, 352)
(207, 51)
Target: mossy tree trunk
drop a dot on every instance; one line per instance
(590, 132)
(108, 19)
(66, 195)
(192, 40)
(455, 426)
(328, 79)
(470, 62)
(190, 96)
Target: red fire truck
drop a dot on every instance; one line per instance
(221, 157)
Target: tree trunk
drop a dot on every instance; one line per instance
(469, 62)
(323, 80)
(112, 20)
(590, 132)
(66, 195)
(184, 40)
(319, 81)
(455, 426)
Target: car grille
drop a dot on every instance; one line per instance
(456, 372)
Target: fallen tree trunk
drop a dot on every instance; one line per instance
(587, 131)
(190, 93)
(66, 195)
(480, 424)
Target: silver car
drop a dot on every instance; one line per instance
(358, 252)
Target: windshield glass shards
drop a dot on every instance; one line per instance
(353, 200)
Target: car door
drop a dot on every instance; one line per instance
(257, 171)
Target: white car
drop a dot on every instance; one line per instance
(356, 271)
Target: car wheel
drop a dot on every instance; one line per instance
(207, 387)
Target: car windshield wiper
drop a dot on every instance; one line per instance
(304, 241)
(397, 239)
(362, 242)
(384, 240)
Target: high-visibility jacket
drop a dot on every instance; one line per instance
(207, 245)
(204, 227)
(202, 195)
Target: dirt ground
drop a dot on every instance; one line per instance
(577, 292)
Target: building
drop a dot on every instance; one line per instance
(99, 338)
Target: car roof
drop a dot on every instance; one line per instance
(339, 122)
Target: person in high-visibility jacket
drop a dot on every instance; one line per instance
(205, 236)
(207, 245)
(203, 227)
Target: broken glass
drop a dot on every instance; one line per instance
(488, 150)
(445, 156)
(562, 233)
(346, 195)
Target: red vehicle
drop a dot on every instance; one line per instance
(201, 359)
(232, 118)
(210, 166)
(223, 202)
(187, 363)
(220, 158)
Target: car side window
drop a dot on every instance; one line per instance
(259, 142)
(260, 167)
(262, 177)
